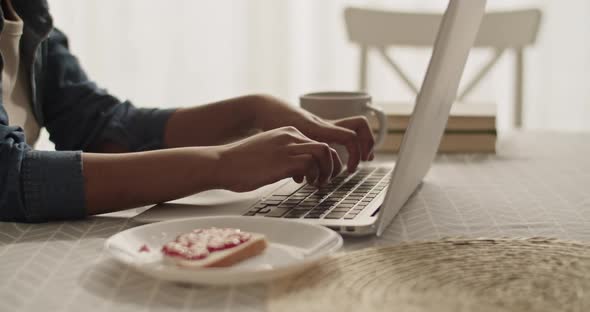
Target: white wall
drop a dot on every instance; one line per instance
(182, 52)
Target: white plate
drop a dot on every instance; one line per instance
(293, 246)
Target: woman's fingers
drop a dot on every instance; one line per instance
(322, 166)
(303, 166)
(322, 154)
(337, 163)
(298, 178)
(363, 131)
(340, 135)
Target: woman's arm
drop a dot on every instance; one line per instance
(120, 181)
(224, 121)
(212, 124)
(115, 182)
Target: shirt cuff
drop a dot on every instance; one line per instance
(140, 129)
(53, 185)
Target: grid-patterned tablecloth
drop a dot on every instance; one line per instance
(537, 185)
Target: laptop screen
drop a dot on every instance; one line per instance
(456, 35)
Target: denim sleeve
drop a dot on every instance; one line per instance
(37, 186)
(78, 114)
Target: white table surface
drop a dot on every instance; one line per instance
(537, 185)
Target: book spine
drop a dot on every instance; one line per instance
(454, 123)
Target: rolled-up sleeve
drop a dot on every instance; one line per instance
(37, 186)
(52, 185)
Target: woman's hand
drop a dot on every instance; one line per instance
(274, 155)
(354, 132)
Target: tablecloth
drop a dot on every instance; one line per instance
(538, 184)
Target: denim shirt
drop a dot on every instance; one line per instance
(49, 185)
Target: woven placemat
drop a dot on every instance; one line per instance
(446, 275)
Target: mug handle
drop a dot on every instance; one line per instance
(382, 118)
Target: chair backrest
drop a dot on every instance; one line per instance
(384, 28)
(377, 29)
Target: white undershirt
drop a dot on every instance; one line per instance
(15, 91)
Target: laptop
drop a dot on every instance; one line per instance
(366, 201)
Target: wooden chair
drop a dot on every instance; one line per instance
(500, 31)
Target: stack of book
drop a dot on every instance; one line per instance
(471, 127)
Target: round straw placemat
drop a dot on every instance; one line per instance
(446, 275)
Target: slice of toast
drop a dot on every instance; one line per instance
(215, 257)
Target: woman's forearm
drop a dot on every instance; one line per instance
(213, 124)
(120, 181)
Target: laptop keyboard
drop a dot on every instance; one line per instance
(344, 197)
